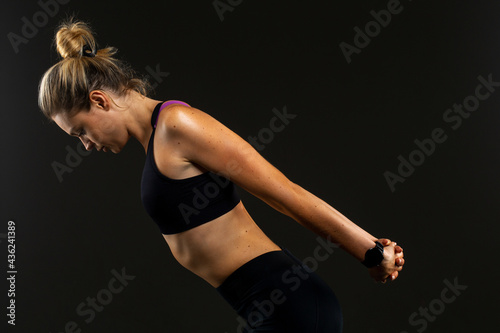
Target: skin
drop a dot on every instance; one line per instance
(189, 142)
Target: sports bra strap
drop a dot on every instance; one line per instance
(167, 104)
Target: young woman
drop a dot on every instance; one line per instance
(192, 164)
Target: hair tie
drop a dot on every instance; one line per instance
(87, 51)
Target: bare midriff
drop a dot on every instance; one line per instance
(216, 249)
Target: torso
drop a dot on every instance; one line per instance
(215, 249)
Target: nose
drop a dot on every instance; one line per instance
(87, 143)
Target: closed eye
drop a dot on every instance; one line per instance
(78, 134)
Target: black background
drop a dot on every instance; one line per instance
(352, 122)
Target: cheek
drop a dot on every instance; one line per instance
(108, 129)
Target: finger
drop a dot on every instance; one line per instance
(384, 241)
(398, 267)
(394, 275)
(389, 244)
(400, 261)
(399, 249)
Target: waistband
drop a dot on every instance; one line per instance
(260, 268)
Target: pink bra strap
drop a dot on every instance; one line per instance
(167, 104)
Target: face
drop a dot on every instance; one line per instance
(99, 128)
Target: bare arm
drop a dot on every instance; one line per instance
(318, 216)
(205, 141)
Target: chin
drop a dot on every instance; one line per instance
(118, 149)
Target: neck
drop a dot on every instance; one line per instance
(140, 111)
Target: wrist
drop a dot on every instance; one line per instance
(374, 256)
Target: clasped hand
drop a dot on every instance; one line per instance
(392, 263)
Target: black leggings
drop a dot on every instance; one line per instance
(276, 292)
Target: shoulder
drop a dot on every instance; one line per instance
(194, 136)
(178, 119)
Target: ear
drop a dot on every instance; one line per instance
(99, 99)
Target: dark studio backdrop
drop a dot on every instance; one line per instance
(392, 119)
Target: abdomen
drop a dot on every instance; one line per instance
(217, 248)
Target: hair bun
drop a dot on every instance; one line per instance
(74, 39)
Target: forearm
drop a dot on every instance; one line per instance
(321, 218)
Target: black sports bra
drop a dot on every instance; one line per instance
(178, 205)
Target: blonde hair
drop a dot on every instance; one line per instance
(65, 87)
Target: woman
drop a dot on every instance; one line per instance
(192, 164)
